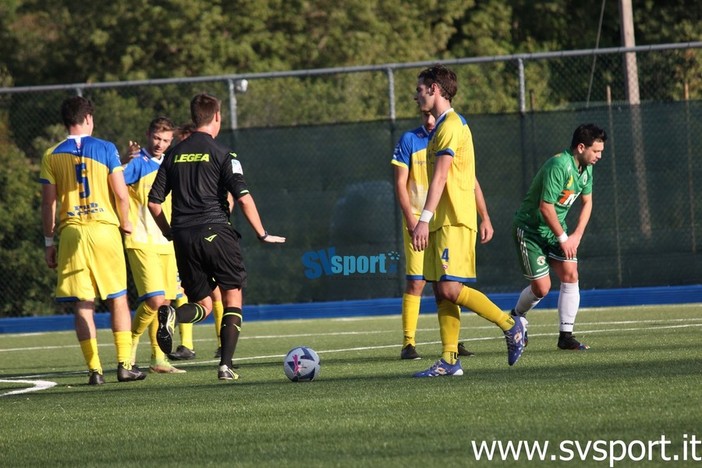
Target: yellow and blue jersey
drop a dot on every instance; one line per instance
(452, 138)
(411, 153)
(79, 166)
(139, 175)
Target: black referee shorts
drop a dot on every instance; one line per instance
(209, 256)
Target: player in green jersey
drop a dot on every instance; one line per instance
(540, 231)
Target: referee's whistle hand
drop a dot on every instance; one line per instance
(271, 239)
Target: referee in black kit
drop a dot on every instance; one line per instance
(199, 172)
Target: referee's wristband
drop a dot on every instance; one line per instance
(562, 238)
(48, 241)
(263, 237)
(426, 216)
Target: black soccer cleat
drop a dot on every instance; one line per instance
(462, 351)
(96, 377)
(225, 372)
(567, 341)
(166, 328)
(129, 374)
(182, 353)
(409, 352)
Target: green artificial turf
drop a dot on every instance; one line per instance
(641, 382)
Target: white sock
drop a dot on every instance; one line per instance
(568, 304)
(527, 301)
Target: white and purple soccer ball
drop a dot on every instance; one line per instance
(301, 364)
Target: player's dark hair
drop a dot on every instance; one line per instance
(75, 109)
(203, 108)
(587, 134)
(161, 124)
(185, 130)
(442, 76)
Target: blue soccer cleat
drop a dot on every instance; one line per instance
(442, 368)
(515, 341)
(525, 324)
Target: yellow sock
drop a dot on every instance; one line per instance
(449, 329)
(90, 354)
(123, 343)
(142, 319)
(186, 335)
(218, 311)
(156, 353)
(135, 345)
(145, 317)
(480, 304)
(410, 316)
(180, 300)
(186, 329)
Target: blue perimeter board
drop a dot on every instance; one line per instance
(313, 310)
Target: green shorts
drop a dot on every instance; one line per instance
(535, 251)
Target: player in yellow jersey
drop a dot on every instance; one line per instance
(151, 256)
(80, 176)
(447, 227)
(411, 184)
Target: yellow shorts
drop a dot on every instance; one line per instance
(414, 260)
(90, 263)
(154, 273)
(450, 255)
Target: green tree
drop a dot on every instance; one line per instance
(28, 284)
(665, 75)
(493, 87)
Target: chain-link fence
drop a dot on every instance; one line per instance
(316, 147)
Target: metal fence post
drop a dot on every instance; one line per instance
(522, 86)
(233, 123)
(391, 92)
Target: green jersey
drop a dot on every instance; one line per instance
(558, 182)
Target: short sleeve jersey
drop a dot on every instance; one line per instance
(198, 172)
(79, 166)
(139, 174)
(411, 153)
(452, 138)
(558, 182)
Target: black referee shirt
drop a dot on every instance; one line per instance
(198, 172)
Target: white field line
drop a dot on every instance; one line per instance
(394, 345)
(380, 332)
(42, 385)
(35, 385)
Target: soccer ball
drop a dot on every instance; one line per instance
(301, 364)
